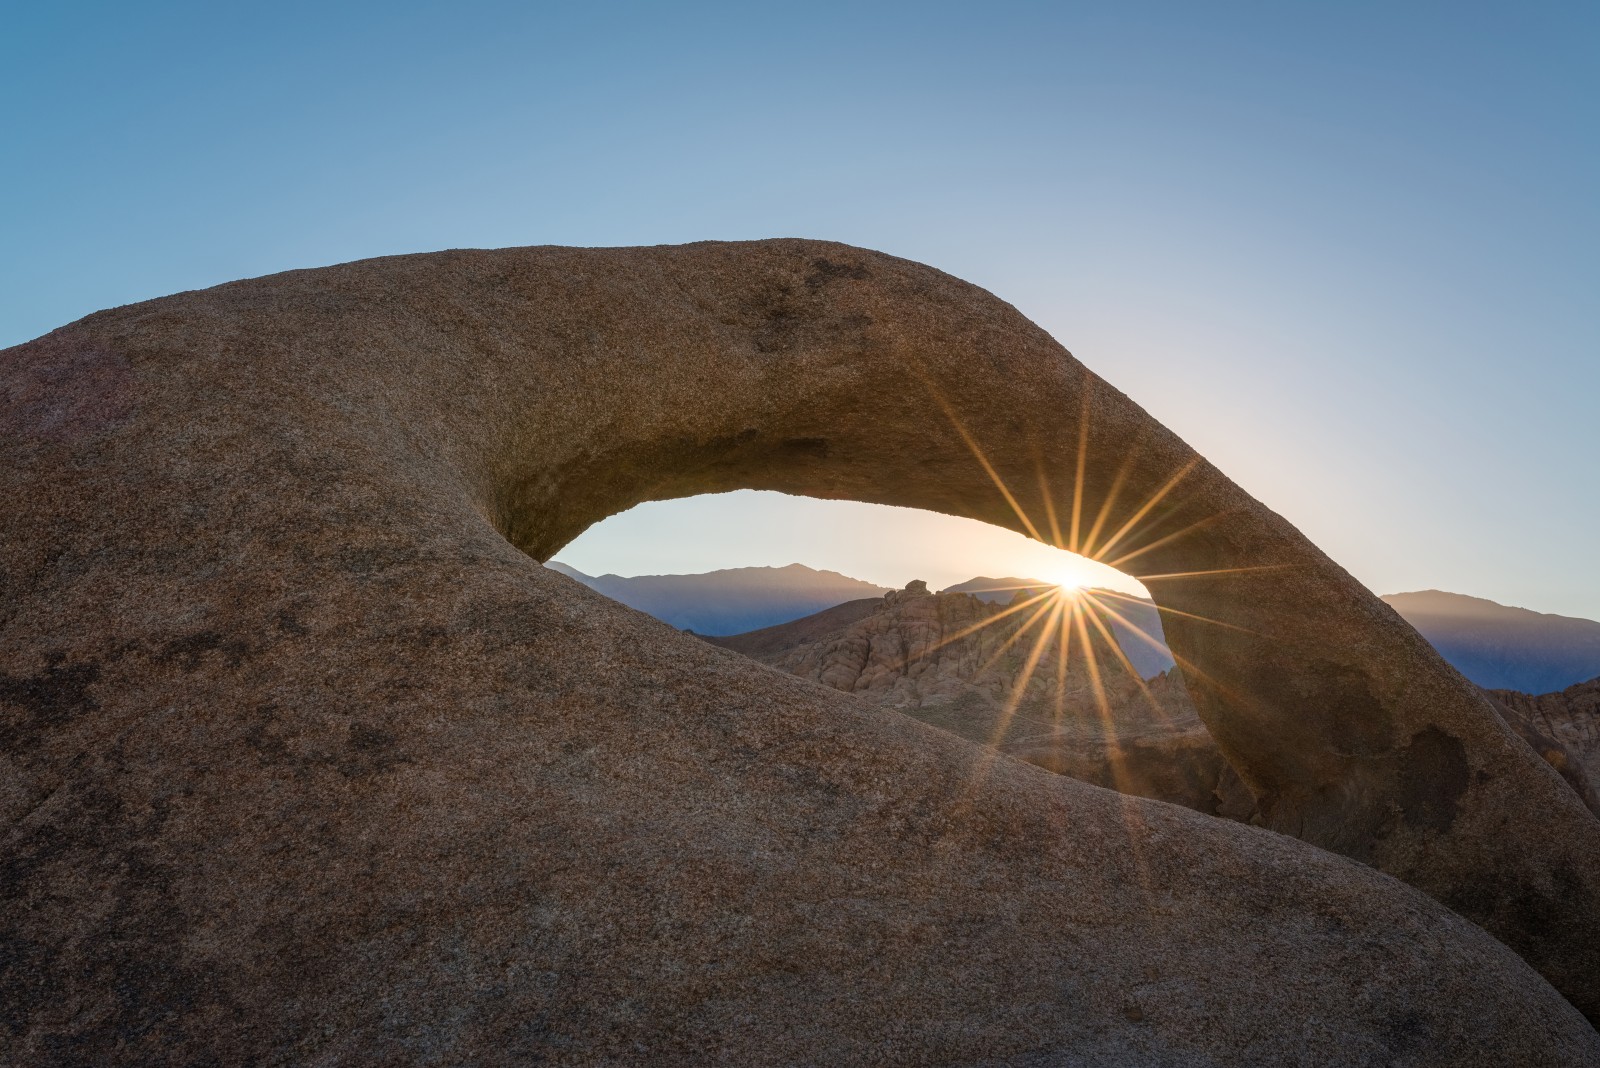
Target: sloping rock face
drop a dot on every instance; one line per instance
(307, 760)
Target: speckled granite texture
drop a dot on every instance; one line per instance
(307, 760)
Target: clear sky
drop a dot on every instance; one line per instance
(1349, 251)
(889, 546)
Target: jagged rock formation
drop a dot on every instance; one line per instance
(309, 761)
(1569, 719)
(1023, 677)
(967, 663)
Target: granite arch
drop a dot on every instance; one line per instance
(298, 511)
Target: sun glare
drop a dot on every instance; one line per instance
(1040, 562)
(1070, 579)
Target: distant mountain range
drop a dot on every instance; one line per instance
(1496, 646)
(1503, 648)
(730, 601)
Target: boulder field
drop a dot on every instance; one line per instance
(307, 760)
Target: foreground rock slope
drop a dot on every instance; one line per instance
(307, 760)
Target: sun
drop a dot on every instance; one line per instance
(1033, 561)
(1069, 582)
(1067, 573)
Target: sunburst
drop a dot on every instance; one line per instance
(1064, 617)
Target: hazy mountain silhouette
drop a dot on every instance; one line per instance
(730, 601)
(1504, 648)
(1494, 645)
(995, 590)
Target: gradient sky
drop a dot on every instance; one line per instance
(1348, 251)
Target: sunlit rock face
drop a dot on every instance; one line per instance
(309, 761)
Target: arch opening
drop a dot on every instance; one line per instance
(953, 625)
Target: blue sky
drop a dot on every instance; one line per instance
(1348, 251)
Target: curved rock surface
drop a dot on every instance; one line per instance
(307, 760)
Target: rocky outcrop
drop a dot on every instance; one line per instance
(1564, 727)
(308, 760)
(1016, 676)
(1041, 677)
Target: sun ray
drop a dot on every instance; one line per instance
(1009, 642)
(1019, 690)
(1108, 724)
(1120, 562)
(1152, 640)
(1049, 499)
(1114, 758)
(1011, 589)
(983, 461)
(988, 755)
(1092, 662)
(1063, 652)
(1133, 672)
(1110, 501)
(1178, 612)
(1190, 669)
(1138, 517)
(1214, 571)
(980, 625)
(1193, 674)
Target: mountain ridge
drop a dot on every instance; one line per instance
(729, 600)
(1496, 646)
(1503, 647)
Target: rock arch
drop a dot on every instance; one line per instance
(265, 597)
